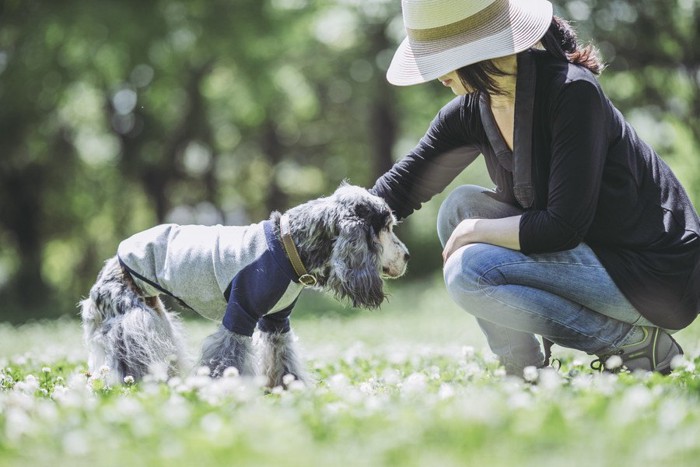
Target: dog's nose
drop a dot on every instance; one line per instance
(406, 256)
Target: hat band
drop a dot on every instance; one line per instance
(479, 19)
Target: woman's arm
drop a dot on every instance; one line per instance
(579, 146)
(503, 232)
(445, 150)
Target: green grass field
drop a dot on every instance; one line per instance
(410, 385)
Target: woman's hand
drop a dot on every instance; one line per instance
(500, 232)
(462, 235)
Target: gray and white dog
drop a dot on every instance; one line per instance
(246, 277)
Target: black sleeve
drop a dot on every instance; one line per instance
(445, 150)
(579, 150)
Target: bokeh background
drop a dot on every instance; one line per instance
(117, 115)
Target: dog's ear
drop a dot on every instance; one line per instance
(376, 216)
(355, 265)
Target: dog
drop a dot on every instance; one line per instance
(247, 277)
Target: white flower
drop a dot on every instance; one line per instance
(446, 391)
(230, 372)
(613, 362)
(288, 379)
(415, 383)
(468, 352)
(129, 380)
(46, 370)
(203, 371)
(680, 362)
(296, 385)
(530, 374)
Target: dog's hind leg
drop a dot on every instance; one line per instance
(124, 333)
(280, 357)
(225, 349)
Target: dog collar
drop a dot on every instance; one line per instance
(305, 278)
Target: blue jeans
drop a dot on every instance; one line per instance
(567, 296)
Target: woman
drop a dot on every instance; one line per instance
(588, 239)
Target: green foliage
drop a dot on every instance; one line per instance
(411, 384)
(116, 115)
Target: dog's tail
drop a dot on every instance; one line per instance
(125, 333)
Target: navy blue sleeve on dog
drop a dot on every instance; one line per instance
(258, 288)
(254, 291)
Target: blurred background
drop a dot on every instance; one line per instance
(117, 115)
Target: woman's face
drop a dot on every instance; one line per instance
(452, 81)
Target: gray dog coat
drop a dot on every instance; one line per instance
(240, 275)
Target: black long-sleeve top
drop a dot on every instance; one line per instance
(592, 180)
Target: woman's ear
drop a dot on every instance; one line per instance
(355, 265)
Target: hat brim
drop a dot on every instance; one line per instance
(518, 28)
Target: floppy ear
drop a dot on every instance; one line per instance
(355, 264)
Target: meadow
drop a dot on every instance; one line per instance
(412, 384)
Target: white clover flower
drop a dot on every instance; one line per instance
(468, 352)
(18, 423)
(434, 372)
(415, 383)
(519, 400)
(129, 380)
(203, 371)
(29, 386)
(366, 388)
(174, 382)
(46, 370)
(613, 362)
(230, 372)
(680, 362)
(103, 371)
(446, 391)
(158, 372)
(549, 379)
(391, 377)
(338, 381)
(296, 386)
(59, 393)
(288, 379)
(530, 374)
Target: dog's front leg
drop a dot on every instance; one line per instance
(280, 357)
(225, 349)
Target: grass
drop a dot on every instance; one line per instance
(410, 385)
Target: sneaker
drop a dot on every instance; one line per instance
(653, 353)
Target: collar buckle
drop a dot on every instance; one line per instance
(306, 279)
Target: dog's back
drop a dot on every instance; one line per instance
(192, 263)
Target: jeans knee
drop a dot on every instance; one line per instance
(464, 271)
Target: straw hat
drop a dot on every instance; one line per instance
(444, 35)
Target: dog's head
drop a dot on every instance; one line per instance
(347, 241)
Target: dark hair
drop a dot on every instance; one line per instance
(559, 40)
